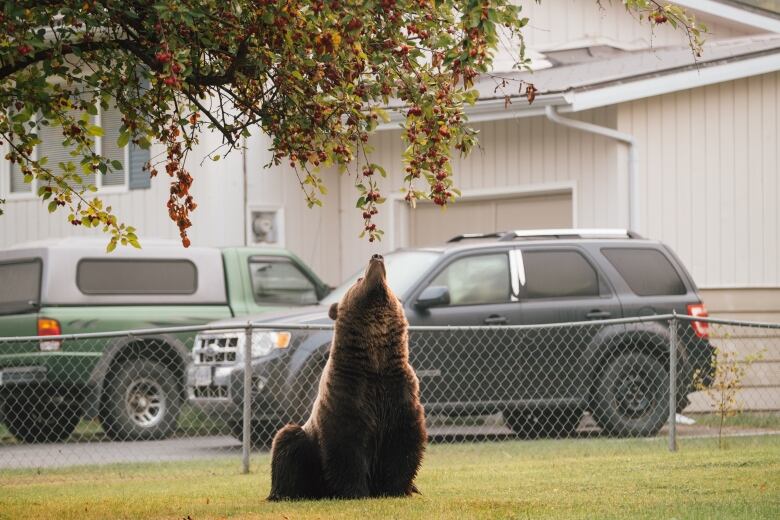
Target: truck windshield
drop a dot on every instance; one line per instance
(404, 268)
(20, 286)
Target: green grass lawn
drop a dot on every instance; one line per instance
(594, 478)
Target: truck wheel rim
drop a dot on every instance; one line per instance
(145, 402)
(634, 395)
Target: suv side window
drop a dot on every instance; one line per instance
(558, 274)
(475, 280)
(646, 271)
(279, 281)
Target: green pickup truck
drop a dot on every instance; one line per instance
(135, 385)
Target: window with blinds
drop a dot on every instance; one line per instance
(51, 146)
(17, 180)
(111, 121)
(59, 155)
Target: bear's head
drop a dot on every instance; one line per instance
(370, 298)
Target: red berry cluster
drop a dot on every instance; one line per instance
(169, 69)
(180, 203)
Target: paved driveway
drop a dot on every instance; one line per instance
(18, 456)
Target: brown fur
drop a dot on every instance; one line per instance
(366, 434)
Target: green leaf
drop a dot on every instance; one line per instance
(116, 165)
(111, 245)
(95, 130)
(124, 138)
(382, 113)
(52, 206)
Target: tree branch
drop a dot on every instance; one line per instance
(49, 53)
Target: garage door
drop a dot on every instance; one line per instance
(429, 225)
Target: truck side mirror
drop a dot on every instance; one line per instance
(433, 296)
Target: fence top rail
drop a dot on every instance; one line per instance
(330, 326)
(720, 321)
(259, 326)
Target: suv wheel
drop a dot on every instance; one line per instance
(142, 402)
(549, 422)
(632, 396)
(35, 415)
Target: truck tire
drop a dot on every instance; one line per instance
(631, 398)
(35, 415)
(142, 400)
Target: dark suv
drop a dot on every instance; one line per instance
(541, 378)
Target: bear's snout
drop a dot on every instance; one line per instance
(378, 257)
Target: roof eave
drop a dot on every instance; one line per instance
(656, 85)
(492, 110)
(575, 100)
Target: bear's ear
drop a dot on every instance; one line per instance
(333, 312)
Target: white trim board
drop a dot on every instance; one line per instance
(733, 13)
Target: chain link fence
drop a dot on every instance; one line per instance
(185, 393)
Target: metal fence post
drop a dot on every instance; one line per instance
(247, 413)
(673, 384)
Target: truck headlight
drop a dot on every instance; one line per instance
(263, 343)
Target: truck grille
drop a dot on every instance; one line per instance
(216, 350)
(210, 392)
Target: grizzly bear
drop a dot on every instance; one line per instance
(366, 433)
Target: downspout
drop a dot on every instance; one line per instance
(628, 139)
(245, 185)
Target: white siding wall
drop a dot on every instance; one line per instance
(709, 177)
(558, 22)
(27, 218)
(219, 217)
(217, 190)
(736, 207)
(516, 155)
(311, 233)
(575, 23)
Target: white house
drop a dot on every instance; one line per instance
(626, 131)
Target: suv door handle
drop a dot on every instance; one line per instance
(597, 314)
(495, 319)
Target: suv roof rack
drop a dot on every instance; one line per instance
(551, 233)
(467, 236)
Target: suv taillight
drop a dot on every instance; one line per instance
(49, 327)
(701, 328)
